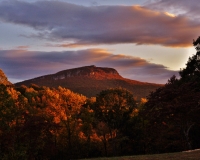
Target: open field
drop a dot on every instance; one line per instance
(188, 155)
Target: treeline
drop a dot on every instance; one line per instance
(56, 123)
(48, 123)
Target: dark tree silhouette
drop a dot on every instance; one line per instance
(192, 69)
(174, 110)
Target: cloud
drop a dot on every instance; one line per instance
(67, 45)
(91, 25)
(22, 47)
(21, 64)
(178, 7)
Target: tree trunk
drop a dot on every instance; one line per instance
(186, 132)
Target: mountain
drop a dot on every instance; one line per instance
(4, 79)
(90, 80)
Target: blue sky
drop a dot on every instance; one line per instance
(145, 40)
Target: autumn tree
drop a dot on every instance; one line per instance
(90, 139)
(114, 108)
(6, 118)
(36, 130)
(63, 120)
(65, 106)
(12, 107)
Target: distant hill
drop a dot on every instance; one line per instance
(4, 79)
(90, 80)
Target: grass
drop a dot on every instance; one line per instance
(189, 155)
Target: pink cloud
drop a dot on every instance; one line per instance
(21, 64)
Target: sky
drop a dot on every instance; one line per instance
(144, 40)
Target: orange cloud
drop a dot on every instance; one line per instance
(170, 14)
(22, 47)
(71, 45)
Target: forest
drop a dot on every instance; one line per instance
(38, 122)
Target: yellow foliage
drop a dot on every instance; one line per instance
(143, 100)
(29, 90)
(14, 94)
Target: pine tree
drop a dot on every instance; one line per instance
(192, 70)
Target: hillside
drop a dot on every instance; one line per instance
(90, 80)
(4, 79)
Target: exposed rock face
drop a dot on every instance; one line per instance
(82, 72)
(87, 71)
(4, 79)
(90, 80)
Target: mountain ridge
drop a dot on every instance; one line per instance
(90, 80)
